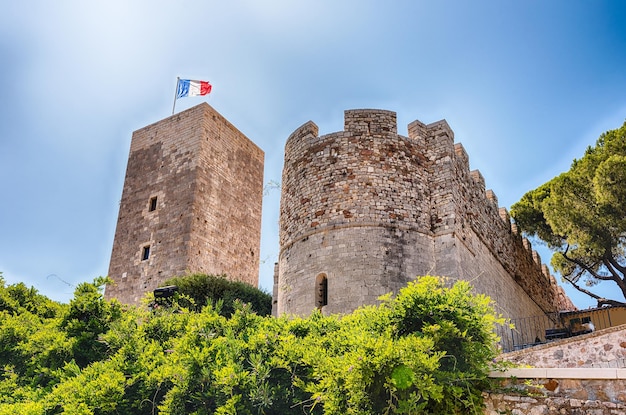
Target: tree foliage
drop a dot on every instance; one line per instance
(581, 215)
(425, 351)
(205, 289)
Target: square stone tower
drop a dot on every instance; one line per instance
(191, 203)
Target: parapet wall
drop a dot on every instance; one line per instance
(463, 207)
(369, 210)
(366, 175)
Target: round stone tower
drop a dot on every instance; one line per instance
(365, 210)
(354, 214)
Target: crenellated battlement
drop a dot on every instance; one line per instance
(370, 209)
(370, 122)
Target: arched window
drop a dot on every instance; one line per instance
(321, 291)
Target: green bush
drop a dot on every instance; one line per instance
(210, 289)
(425, 351)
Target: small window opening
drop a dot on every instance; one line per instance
(145, 253)
(321, 291)
(153, 204)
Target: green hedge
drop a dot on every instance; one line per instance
(426, 351)
(210, 289)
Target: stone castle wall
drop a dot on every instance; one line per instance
(207, 178)
(370, 209)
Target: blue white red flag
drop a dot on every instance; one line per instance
(191, 88)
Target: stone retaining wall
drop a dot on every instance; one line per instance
(580, 375)
(558, 391)
(604, 348)
(498, 404)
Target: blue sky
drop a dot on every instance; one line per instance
(525, 85)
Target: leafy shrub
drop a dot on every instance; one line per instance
(209, 289)
(89, 316)
(425, 351)
(461, 325)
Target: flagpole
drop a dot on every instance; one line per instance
(175, 94)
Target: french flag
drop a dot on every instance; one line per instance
(191, 88)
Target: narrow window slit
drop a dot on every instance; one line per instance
(145, 253)
(321, 291)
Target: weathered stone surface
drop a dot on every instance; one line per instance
(599, 349)
(207, 178)
(496, 404)
(371, 209)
